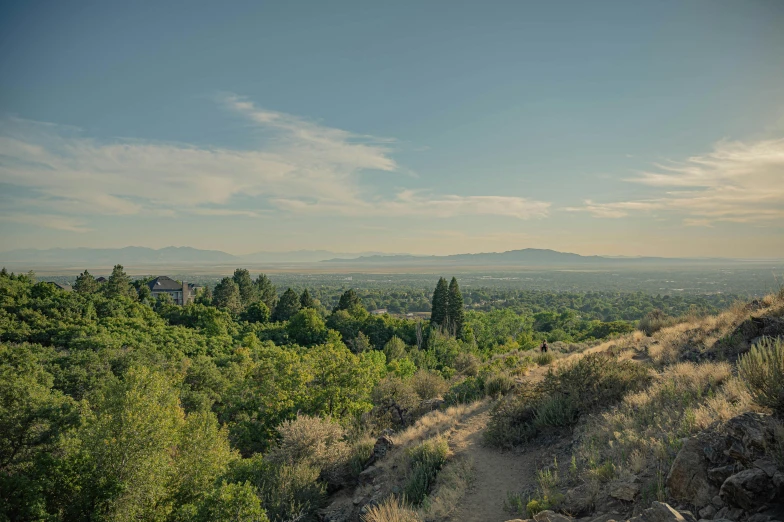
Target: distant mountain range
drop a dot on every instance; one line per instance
(142, 256)
(529, 257)
(187, 256)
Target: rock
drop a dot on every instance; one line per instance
(659, 512)
(766, 465)
(759, 517)
(750, 429)
(550, 516)
(708, 512)
(728, 513)
(433, 404)
(717, 502)
(578, 501)
(369, 475)
(382, 446)
(748, 489)
(688, 478)
(720, 474)
(688, 515)
(624, 490)
(606, 517)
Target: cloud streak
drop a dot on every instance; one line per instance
(739, 182)
(299, 166)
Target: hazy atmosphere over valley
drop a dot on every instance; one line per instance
(401, 261)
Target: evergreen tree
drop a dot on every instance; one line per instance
(348, 300)
(267, 291)
(287, 306)
(118, 283)
(438, 314)
(205, 296)
(3, 272)
(306, 301)
(227, 296)
(455, 312)
(85, 283)
(249, 292)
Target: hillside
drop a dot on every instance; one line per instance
(613, 461)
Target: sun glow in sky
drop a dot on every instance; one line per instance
(615, 128)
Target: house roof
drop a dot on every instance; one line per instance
(167, 284)
(65, 287)
(101, 279)
(164, 283)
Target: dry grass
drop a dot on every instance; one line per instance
(451, 486)
(434, 423)
(391, 510)
(642, 434)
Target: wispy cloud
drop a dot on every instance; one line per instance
(740, 182)
(298, 166)
(56, 222)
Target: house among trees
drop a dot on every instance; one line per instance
(181, 293)
(63, 286)
(380, 311)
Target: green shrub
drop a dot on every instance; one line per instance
(762, 371)
(499, 384)
(428, 385)
(654, 321)
(467, 364)
(555, 411)
(287, 492)
(512, 420)
(595, 381)
(426, 460)
(543, 359)
(232, 502)
(468, 390)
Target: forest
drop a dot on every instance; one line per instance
(118, 406)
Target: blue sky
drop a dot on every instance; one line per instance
(427, 127)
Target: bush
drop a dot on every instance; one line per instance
(468, 390)
(467, 364)
(512, 420)
(762, 371)
(595, 381)
(543, 359)
(555, 411)
(498, 385)
(425, 461)
(654, 321)
(314, 442)
(232, 502)
(428, 385)
(287, 492)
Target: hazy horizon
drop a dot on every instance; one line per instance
(608, 128)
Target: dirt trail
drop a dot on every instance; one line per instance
(495, 473)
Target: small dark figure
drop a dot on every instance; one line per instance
(544, 346)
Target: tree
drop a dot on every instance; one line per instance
(267, 291)
(455, 312)
(227, 296)
(118, 284)
(232, 502)
(439, 310)
(348, 300)
(256, 313)
(204, 297)
(306, 327)
(287, 306)
(85, 283)
(306, 301)
(249, 292)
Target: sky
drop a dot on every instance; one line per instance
(440, 127)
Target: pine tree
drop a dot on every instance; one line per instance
(306, 301)
(267, 291)
(227, 296)
(249, 292)
(85, 283)
(287, 306)
(455, 312)
(204, 297)
(118, 283)
(348, 300)
(438, 313)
